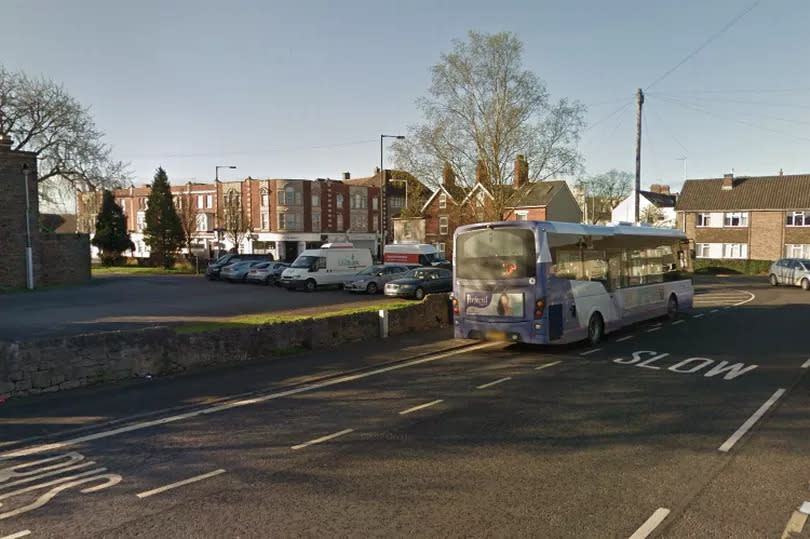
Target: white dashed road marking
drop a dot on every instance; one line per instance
(322, 439)
(676, 322)
(17, 535)
(698, 315)
(745, 427)
(624, 338)
(651, 523)
(490, 384)
(421, 406)
(652, 329)
(180, 484)
(547, 365)
(806, 364)
(589, 352)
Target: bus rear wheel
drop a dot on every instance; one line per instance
(596, 329)
(672, 307)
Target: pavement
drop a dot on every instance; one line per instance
(692, 428)
(124, 302)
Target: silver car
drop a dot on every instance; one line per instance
(372, 280)
(791, 271)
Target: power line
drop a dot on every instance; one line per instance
(667, 130)
(733, 101)
(754, 115)
(705, 44)
(749, 91)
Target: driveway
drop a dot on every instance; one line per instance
(126, 302)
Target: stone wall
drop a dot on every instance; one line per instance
(56, 364)
(65, 258)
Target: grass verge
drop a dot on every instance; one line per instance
(139, 270)
(262, 319)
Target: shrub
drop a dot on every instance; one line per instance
(708, 266)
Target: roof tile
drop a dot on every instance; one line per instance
(748, 193)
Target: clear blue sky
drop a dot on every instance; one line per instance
(303, 89)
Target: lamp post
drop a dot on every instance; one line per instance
(29, 263)
(383, 185)
(216, 170)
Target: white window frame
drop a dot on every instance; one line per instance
(265, 221)
(316, 200)
(734, 251)
(440, 248)
(209, 201)
(140, 220)
(442, 201)
(316, 226)
(375, 203)
(202, 222)
(740, 216)
(339, 222)
(265, 199)
(444, 225)
(700, 248)
(339, 201)
(522, 215)
(797, 250)
(805, 215)
(705, 217)
(199, 202)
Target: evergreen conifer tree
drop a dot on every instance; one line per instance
(111, 235)
(164, 232)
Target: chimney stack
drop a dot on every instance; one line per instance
(665, 190)
(728, 182)
(780, 172)
(481, 173)
(655, 188)
(521, 176)
(346, 175)
(448, 176)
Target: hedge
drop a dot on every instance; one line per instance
(741, 267)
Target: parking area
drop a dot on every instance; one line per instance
(118, 302)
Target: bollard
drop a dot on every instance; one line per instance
(383, 323)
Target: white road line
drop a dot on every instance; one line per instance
(805, 508)
(421, 407)
(698, 315)
(624, 338)
(179, 484)
(806, 364)
(547, 365)
(713, 310)
(234, 404)
(589, 352)
(728, 444)
(17, 535)
(652, 329)
(651, 523)
(322, 439)
(490, 384)
(676, 322)
(752, 298)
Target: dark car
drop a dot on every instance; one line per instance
(214, 268)
(420, 281)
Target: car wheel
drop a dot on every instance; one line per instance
(419, 294)
(596, 329)
(371, 288)
(773, 280)
(310, 285)
(805, 284)
(672, 307)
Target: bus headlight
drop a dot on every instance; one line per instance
(531, 280)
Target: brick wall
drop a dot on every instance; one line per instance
(65, 258)
(12, 217)
(721, 235)
(534, 214)
(766, 235)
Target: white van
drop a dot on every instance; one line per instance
(331, 265)
(413, 254)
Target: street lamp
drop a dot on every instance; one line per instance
(216, 170)
(383, 185)
(29, 263)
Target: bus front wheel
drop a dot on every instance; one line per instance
(596, 329)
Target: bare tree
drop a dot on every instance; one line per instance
(234, 223)
(484, 106)
(38, 115)
(603, 192)
(652, 215)
(188, 218)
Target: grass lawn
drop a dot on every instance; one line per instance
(138, 270)
(261, 319)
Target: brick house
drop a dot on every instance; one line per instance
(758, 217)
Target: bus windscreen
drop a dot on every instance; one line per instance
(500, 253)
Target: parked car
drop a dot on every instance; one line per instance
(414, 255)
(238, 271)
(372, 280)
(330, 265)
(266, 272)
(791, 271)
(214, 268)
(418, 282)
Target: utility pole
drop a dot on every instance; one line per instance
(639, 103)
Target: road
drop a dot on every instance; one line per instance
(693, 428)
(118, 302)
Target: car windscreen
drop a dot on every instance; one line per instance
(496, 253)
(806, 264)
(304, 262)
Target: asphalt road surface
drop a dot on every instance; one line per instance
(117, 302)
(693, 428)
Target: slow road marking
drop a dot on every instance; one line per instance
(234, 404)
(651, 523)
(421, 406)
(496, 382)
(179, 483)
(547, 365)
(322, 439)
(745, 427)
(17, 535)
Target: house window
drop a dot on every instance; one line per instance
(397, 202)
(521, 215)
(703, 219)
(202, 222)
(265, 221)
(316, 222)
(140, 221)
(339, 201)
(375, 203)
(287, 221)
(735, 250)
(316, 200)
(443, 225)
(199, 202)
(440, 248)
(375, 223)
(797, 250)
(265, 199)
(798, 218)
(123, 204)
(737, 218)
(209, 201)
(702, 250)
(442, 201)
(340, 222)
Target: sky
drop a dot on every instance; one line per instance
(304, 89)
